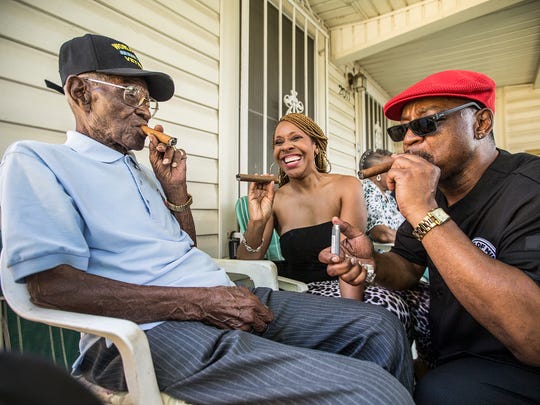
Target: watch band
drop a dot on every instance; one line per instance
(433, 218)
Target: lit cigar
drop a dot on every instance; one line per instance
(163, 138)
(256, 178)
(375, 170)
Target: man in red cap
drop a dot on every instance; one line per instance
(472, 218)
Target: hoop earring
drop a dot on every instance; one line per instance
(378, 178)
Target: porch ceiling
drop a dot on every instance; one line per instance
(398, 42)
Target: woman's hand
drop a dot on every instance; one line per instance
(260, 200)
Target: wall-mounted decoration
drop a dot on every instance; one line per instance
(294, 105)
(343, 92)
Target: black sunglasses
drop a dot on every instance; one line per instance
(425, 125)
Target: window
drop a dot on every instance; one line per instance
(376, 124)
(272, 45)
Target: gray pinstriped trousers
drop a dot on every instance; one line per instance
(318, 350)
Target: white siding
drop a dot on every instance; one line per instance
(179, 37)
(517, 120)
(341, 132)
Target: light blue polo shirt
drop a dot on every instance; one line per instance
(89, 206)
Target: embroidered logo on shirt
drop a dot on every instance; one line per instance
(485, 246)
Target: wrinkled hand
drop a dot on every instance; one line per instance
(168, 163)
(236, 308)
(260, 200)
(356, 250)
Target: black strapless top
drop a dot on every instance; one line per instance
(300, 248)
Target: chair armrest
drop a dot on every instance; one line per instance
(262, 272)
(130, 340)
(288, 284)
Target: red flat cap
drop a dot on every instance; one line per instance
(449, 83)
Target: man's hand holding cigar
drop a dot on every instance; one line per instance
(414, 181)
(169, 165)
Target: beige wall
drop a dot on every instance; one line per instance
(342, 126)
(517, 118)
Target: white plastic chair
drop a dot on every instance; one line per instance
(126, 335)
(263, 273)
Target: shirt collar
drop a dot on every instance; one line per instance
(93, 149)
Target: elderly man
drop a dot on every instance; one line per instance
(93, 231)
(472, 217)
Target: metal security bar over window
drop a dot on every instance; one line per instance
(376, 124)
(283, 69)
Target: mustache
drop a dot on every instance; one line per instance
(422, 154)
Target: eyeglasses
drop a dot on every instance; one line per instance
(426, 125)
(134, 96)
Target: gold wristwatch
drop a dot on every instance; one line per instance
(431, 220)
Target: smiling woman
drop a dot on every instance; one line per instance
(302, 208)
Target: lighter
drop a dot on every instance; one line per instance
(334, 249)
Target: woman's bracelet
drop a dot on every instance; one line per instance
(249, 248)
(179, 208)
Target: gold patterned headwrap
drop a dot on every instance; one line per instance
(310, 128)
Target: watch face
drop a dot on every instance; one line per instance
(440, 215)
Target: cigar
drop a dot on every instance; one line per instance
(163, 138)
(375, 170)
(256, 178)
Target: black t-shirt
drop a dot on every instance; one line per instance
(501, 216)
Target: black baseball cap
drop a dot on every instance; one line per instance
(96, 53)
